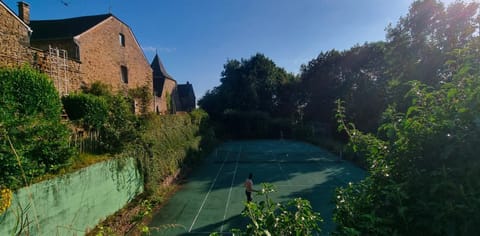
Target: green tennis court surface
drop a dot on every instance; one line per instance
(214, 196)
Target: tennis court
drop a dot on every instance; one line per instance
(214, 196)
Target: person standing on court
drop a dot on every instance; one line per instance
(249, 187)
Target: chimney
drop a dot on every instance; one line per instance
(24, 12)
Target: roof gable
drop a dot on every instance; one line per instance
(64, 28)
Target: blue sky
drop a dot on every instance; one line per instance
(195, 38)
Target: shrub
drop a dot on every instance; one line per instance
(31, 129)
(87, 110)
(121, 127)
(110, 115)
(423, 165)
(294, 217)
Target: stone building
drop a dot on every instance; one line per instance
(105, 47)
(164, 89)
(75, 52)
(14, 38)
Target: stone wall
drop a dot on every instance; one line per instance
(66, 74)
(169, 87)
(102, 55)
(65, 44)
(14, 40)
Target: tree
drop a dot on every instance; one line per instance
(419, 45)
(321, 78)
(356, 75)
(423, 165)
(252, 91)
(247, 85)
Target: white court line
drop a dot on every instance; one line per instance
(208, 193)
(230, 191)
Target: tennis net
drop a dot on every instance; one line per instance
(233, 156)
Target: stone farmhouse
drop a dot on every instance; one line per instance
(77, 52)
(14, 38)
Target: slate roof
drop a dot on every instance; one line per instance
(64, 28)
(159, 69)
(186, 96)
(159, 75)
(185, 89)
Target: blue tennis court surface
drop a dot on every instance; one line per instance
(214, 196)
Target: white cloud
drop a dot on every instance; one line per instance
(154, 49)
(149, 49)
(167, 49)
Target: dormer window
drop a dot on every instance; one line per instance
(124, 74)
(121, 37)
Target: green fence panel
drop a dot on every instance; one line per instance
(73, 203)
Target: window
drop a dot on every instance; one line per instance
(121, 37)
(124, 72)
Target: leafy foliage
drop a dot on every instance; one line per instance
(170, 142)
(356, 76)
(122, 126)
(253, 88)
(112, 116)
(422, 160)
(423, 171)
(144, 95)
(88, 110)
(294, 217)
(31, 130)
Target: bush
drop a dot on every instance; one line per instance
(31, 129)
(87, 110)
(294, 217)
(121, 127)
(112, 116)
(423, 166)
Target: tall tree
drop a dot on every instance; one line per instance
(248, 85)
(419, 44)
(356, 75)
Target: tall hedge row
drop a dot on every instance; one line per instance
(171, 142)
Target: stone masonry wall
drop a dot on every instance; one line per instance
(161, 103)
(14, 40)
(65, 44)
(102, 55)
(66, 74)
